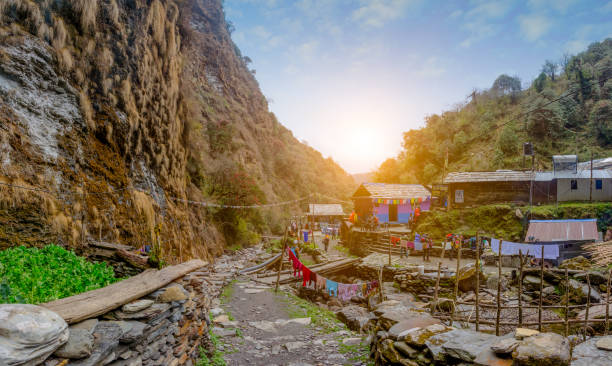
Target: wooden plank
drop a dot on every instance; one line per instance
(97, 302)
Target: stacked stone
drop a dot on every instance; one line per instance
(418, 284)
(404, 335)
(370, 271)
(167, 327)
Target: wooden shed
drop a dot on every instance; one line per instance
(392, 203)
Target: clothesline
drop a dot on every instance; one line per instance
(551, 251)
(343, 291)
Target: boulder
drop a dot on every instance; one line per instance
(355, 317)
(505, 346)
(604, 343)
(79, 345)
(545, 349)
(173, 293)
(578, 262)
(388, 351)
(420, 321)
(106, 340)
(579, 292)
(29, 334)
(588, 354)
(467, 277)
(532, 283)
(418, 336)
(490, 358)
(596, 278)
(460, 344)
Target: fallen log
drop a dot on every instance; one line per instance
(136, 260)
(89, 304)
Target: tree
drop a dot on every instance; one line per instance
(388, 172)
(601, 120)
(564, 61)
(505, 84)
(545, 119)
(550, 69)
(540, 82)
(507, 141)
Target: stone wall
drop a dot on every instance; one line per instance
(166, 327)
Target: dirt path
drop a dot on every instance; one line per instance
(263, 328)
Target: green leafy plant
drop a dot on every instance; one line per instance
(32, 275)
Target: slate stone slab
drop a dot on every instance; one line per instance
(587, 354)
(543, 349)
(460, 344)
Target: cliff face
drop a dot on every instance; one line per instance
(112, 109)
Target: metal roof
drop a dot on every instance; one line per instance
(582, 174)
(497, 176)
(332, 209)
(605, 163)
(565, 158)
(561, 230)
(392, 191)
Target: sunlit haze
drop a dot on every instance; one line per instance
(350, 76)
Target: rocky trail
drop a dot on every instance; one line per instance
(255, 326)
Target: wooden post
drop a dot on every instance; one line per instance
(607, 303)
(435, 299)
(477, 281)
(443, 249)
(499, 276)
(541, 288)
(567, 294)
(280, 263)
(520, 290)
(389, 235)
(380, 283)
(456, 294)
(588, 305)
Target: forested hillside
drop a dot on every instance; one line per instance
(567, 109)
(114, 111)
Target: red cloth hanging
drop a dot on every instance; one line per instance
(305, 276)
(395, 240)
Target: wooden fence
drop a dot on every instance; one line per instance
(520, 307)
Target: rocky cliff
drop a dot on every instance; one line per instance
(113, 111)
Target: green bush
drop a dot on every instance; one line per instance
(32, 275)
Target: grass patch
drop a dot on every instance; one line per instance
(300, 308)
(307, 261)
(360, 352)
(344, 250)
(227, 293)
(34, 276)
(216, 358)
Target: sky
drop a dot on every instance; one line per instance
(348, 77)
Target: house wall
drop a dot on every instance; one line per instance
(565, 193)
(403, 213)
(482, 193)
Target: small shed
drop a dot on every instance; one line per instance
(328, 212)
(570, 235)
(391, 203)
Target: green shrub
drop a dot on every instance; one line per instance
(34, 276)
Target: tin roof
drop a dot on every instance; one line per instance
(561, 230)
(565, 158)
(496, 176)
(392, 191)
(332, 209)
(605, 163)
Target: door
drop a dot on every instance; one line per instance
(392, 213)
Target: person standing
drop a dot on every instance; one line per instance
(326, 242)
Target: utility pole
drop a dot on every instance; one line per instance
(531, 184)
(591, 186)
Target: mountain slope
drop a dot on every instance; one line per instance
(141, 103)
(566, 110)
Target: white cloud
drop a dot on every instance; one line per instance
(488, 10)
(607, 8)
(432, 67)
(534, 26)
(559, 5)
(307, 50)
(481, 20)
(376, 13)
(261, 32)
(478, 31)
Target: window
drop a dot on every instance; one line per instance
(574, 184)
(598, 184)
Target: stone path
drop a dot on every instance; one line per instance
(257, 327)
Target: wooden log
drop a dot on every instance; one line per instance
(567, 295)
(541, 288)
(456, 293)
(588, 305)
(520, 290)
(477, 265)
(90, 304)
(608, 303)
(435, 299)
(136, 260)
(499, 274)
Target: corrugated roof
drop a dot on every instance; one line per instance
(561, 230)
(605, 163)
(332, 209)
(497, 176)
(393, 191)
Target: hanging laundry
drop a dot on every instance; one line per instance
(332, 287)
(394, 240)
(305, 276)
(305, 236)
(320, 282)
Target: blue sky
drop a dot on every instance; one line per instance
(349, 76)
